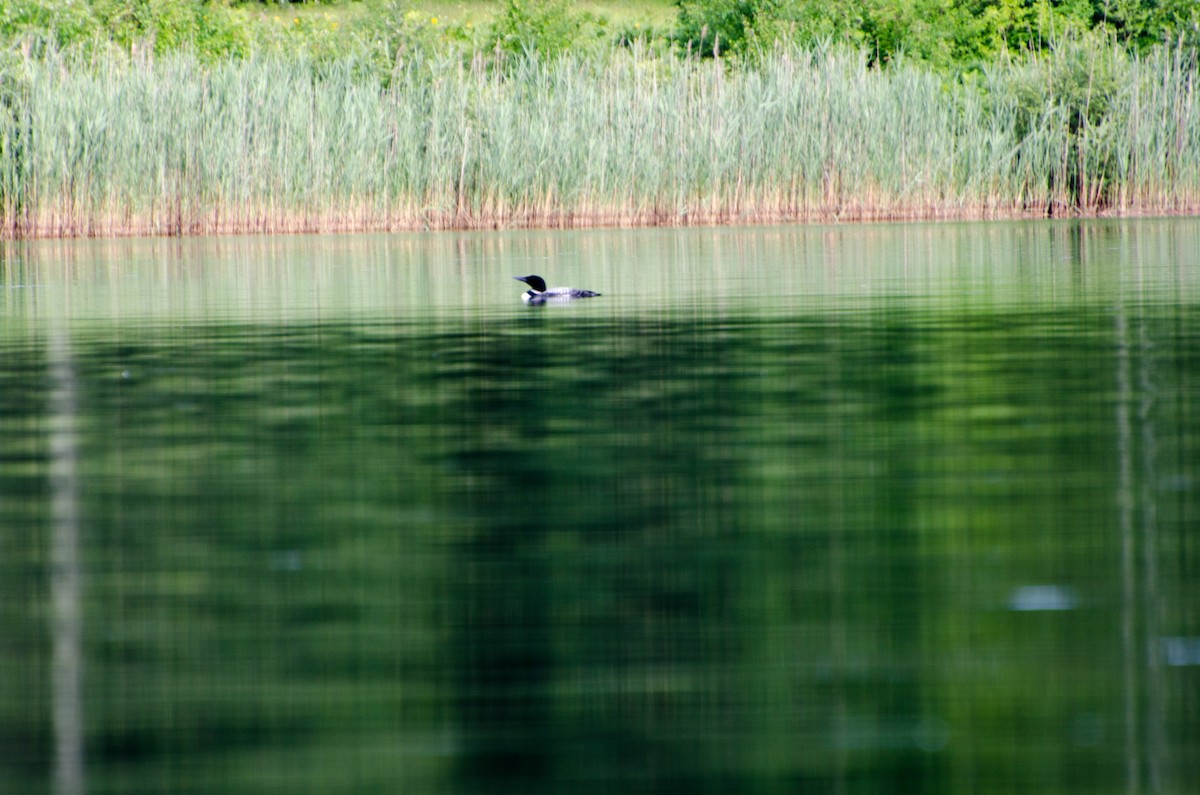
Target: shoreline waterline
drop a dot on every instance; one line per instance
(220, 225)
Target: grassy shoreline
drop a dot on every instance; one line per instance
(176, 147)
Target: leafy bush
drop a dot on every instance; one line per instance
(57, 23)
(748, 28)
(732, 27)
(220, 32)
(945, 33)
(1145, 24)
(544, 27)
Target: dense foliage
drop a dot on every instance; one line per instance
(945, 33)
(942, 32)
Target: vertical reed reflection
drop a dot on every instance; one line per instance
(1145, 734)
(1156, 741)
(66, 579)
(1125, 525)
(1145, 737)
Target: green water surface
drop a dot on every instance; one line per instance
(855, 509)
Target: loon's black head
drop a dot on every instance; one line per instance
(536, 282)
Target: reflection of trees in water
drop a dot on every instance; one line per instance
(65, 574)
(593, 601)
(629, 595)
(499, 652)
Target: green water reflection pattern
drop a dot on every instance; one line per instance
(906, 547)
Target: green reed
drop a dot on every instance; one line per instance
(177, 147)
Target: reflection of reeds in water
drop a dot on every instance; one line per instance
(65, 572)
(262, 145)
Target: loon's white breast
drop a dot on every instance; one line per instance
(538, 293)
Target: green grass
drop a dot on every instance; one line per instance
(274, 145)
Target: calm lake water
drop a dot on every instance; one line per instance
(854, 509)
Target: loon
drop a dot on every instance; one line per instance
(538, 294)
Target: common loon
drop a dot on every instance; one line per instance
(538, 294)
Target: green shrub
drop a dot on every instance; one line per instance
(57, 23)
(728, 27)
(212, 29)
(1144, 24)
(221, 32)
(748, 28)
(547, 28)
(938, 32)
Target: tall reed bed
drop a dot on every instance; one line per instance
(176, 147)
